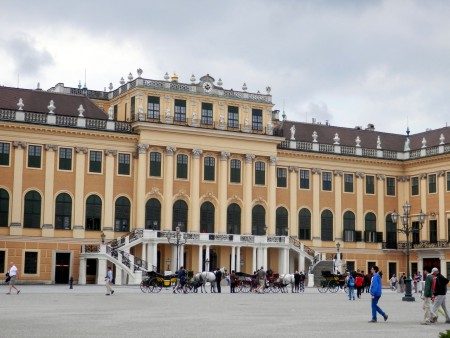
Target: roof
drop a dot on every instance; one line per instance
(37, 101)
(368, 137)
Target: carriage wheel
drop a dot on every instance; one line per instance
(245, 287)
(145, 286)
(323, 287)
(346, 288)
(333, 286)
(155, 285)
(275, 288)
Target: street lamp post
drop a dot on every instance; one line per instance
(168, 261)
(103, 236)
(155, 225)
(242, 264)
(206, 264)
(338, 264)
(177, 240)
(408, 229)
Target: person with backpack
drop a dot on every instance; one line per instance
(350, 281)
(439, 288)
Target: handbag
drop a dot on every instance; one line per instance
(8, 277)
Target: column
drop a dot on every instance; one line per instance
(338, 174)
(442, 220)
(301, 265)
(108, 213)
(254, 260)
(247, 194)
(200, 257)
(425, 232)
(293, 215)
(118, 276)
(144, 252)
(80, 171)
(238, 259)
(151, 258)
(380, 198)
(233, 258)
(48, 226)
(316, 188)
(223, 194)
(207, 258)
(16, 212)
(195, 191)
(101, 271)
(271, 194)
(82, 272)
(166, 222)
(359, 226)
(141, 185)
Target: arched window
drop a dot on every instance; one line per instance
(234, 219)
(32, 210)
(281, 228)
(207, 218)
(370, 228)
(93, 213)
(180, 215)
(391, 233)
(258, 220)
(122, 215)
(326, 225)
(4, 208)
(349, 226)
(63, 212)
(304, 224)
(153, 214)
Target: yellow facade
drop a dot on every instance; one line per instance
(202, 132)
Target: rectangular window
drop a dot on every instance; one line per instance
(155, 164)
(65, 159)
(348, 182)
(95, 161)
(209, 168)
(235, 171)
(153, 108)
(326, 181)
(414, 186)
(2, 262)
(233, 117)
(415, 232)
(432, 184)
(304, 179)
(260, 173)
(281, 177)
(207, 114)
(350, 266)
(448, 181)
(369, 265)
(390, 186)
(180, 111)
(5, 149)
(370, 184)
(116, 110)
(31, 263)
(433, 231)
(392, 269)
(133, 109)
(182, 166)
(124, 164)
(34, 156)
(257, 119)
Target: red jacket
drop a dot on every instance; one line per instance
(359, 281)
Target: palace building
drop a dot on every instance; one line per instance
(158, 174)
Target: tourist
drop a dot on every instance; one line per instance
(350, 282)
(439, 288)
(296, 281)
(427, 294)
(261, 276)
(375, 292)
(359, 282)
(13, 277)
(218, 280)
(232, 281)
(109, 280)
(393, 282)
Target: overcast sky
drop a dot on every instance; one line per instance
(348, 62)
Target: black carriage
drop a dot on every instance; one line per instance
(331, 282)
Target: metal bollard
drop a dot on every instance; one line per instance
(71, 282)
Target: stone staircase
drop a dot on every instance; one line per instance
(319, 268)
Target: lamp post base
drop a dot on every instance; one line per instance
(408, 299)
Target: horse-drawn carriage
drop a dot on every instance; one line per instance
(245, 282)
(331, 282)
(156, 281)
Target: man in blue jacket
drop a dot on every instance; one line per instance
(375, 292)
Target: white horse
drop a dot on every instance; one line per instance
(285, 280)
(201, 278)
